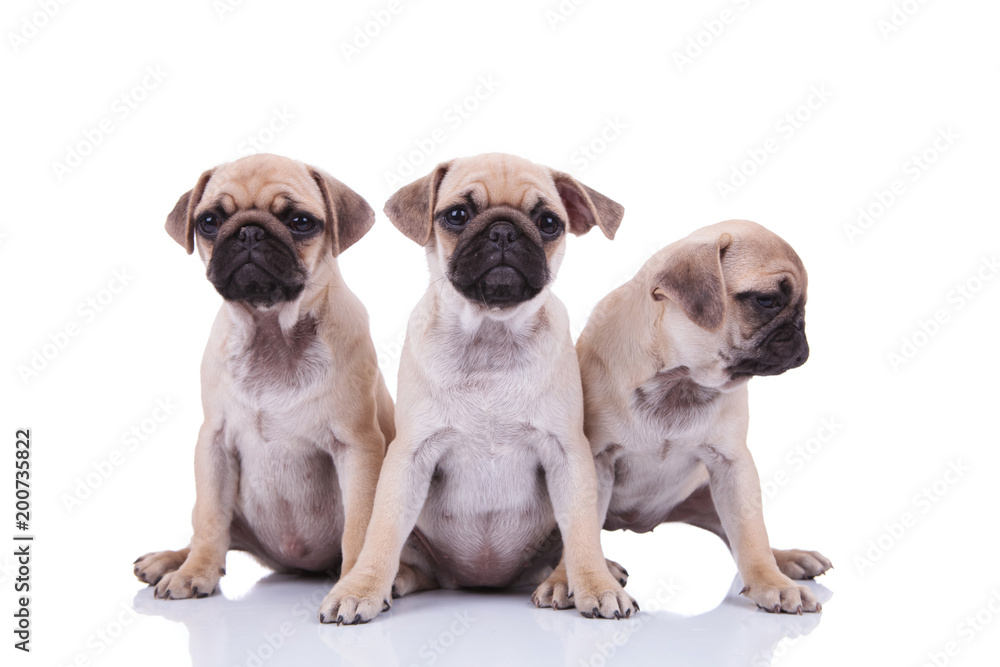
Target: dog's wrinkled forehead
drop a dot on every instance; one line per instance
(499, 180)
(762, 259)
(262, 183)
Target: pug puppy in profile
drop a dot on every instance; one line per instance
(665, 361)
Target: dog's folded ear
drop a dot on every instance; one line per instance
(692, 277)
(587, 207)
(411, 208)
(180, 222)
(348, 215)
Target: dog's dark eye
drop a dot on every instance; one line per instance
(208, 224)
(302, 223)
(549, 225)
(768, 301)
(457, 217)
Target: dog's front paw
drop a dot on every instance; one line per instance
(617, 571)
(189, 581)
(150, 568)
(775, 592)
(554, 591)
(799, 564)
(355, 599)
(599, 595)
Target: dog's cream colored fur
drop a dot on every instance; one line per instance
(297, 415)
(490, 454)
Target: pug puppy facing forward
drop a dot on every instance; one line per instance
(297, 415)
(665, 361)
(490, 468)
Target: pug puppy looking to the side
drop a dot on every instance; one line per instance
(490, 468)
(297, 415)
(665, 360)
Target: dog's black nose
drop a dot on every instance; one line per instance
(503, 233)
(251, 235)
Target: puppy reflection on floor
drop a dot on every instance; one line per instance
(725, 636)
(273, 622)
(490, 468)
(297, 415)
(665, 361)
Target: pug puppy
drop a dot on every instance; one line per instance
(665, 361)
(490, 468)
(297, 415)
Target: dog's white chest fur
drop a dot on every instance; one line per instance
(670, 421)
(485, 406)
(289, 505)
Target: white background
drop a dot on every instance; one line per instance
(672, 131)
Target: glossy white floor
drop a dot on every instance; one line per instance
(274, 617)
(901, 611)
(692, 616)
(898, 602)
